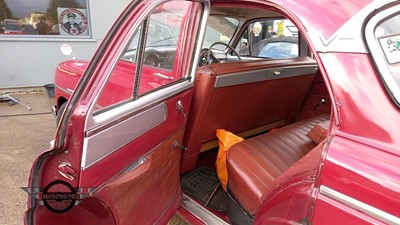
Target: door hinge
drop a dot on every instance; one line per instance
(176, 145)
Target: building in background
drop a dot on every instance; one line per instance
(31, 33)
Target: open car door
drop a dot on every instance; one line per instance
(116, 157)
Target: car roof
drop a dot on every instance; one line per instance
(330, 16)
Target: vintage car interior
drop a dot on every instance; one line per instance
(279, 105)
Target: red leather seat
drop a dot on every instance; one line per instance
(245, 98)
(254, 164)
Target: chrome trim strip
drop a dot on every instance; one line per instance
(53, 111)
(147, 101)
(135, 165)
(105, 142)
(263, 75)
(200, 212)
(68, 91)
(378, 56)
(200, 38)
(360, 206)
(349, 37)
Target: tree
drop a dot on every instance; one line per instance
(54, 4)
(5, 12)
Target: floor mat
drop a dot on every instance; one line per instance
(203, 185)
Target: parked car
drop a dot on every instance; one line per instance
(11, 27)
(137, 140)
(278, 48)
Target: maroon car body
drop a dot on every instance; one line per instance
(68, 74)
(133, 129)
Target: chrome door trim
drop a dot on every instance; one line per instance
(128, 169)
(360, 206)
(105, 142)
(67, 91)
(200, 37)
(264, 75)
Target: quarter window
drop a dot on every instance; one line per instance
(220, 29)
(274, 39)
(388, 36)
(383, 38)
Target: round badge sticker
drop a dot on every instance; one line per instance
(73, 21)
(59, 196)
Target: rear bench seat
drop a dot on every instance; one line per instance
(246, 98)
(254, 164)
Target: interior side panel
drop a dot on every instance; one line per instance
(137, 148)
(317, 101)
(131, 195)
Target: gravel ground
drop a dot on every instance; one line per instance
(24, 134)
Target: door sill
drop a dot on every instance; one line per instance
(200, 212)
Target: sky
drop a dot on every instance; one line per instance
(23, 8)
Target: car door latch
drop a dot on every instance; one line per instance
(176, 145)
(180, 108)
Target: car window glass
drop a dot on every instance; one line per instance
(269, 39)
(161, 34)
(219, 29)
(160, 59)
(387, 35)
(119, 87)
